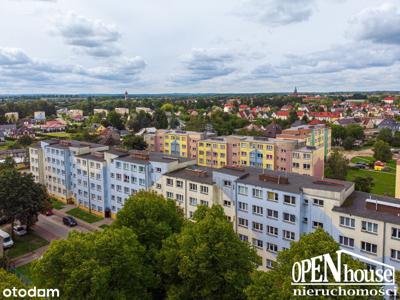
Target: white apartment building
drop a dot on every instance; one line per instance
(271, 209)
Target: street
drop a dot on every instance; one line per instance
(52, 227)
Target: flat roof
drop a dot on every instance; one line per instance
(355, 205)
(194, 173)
(296, 183)
(92, 157)
(153, 156)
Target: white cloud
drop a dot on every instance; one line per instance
(378, 24)
(205, 64)
(93, 37)
(277, 12)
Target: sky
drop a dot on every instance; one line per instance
(207, 46)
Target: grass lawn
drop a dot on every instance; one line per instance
(368, 159)
(7, 145)
(25, 272)
(83, 215)
(104, 226)
(26, 244)
(57, 204)
(64, 135)
(384, 182)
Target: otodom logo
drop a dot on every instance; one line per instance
(331, 277)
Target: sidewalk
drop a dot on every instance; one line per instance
(90, 226)
(29, 257)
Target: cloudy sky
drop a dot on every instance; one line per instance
(158, 46)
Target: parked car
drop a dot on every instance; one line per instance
(49, 212)
(20, 230)
(7, 240)
(4, 220)
(69, 221)
(360, 166)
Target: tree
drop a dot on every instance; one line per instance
(207, 260)
(151, 217)
(336, 166)
(382, 151)
(167, 107)
(134, 142)
(276, 284)
(348, 143)
(20, 197)
(106, 264)
(338, 135)
(385, 134)
(396, 139)
(364, 184)
(173, 122)
(160, 119)
(355, 131)
(9, 281)
(292, 116)
(115, 120)
(25, 140)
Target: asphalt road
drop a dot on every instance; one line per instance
(52, 228)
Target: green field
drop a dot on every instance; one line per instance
(26, 244)
(83, 215)
(8, 144)
(57, 204)
(384, 181)
(24, 272)
(64, 135)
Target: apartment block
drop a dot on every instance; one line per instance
(271, 209)
(311, 135)
(54, 164)
(174, 142)
(94, 177)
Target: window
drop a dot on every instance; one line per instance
(289, 218)
(258, 210)
(368, 247)
(227, 203)
(272, 247)
(227, 183)
(272, 196)
(272, 230)
(257, 193)
(269, 263)
(170, 182)
(242, 190)
(306, 166)
(179, 197)
(204, 189)
(192, 201)
(347, 222)
(346, 241)
(369, 227)
(170, 195)
(243, 222)
(158, 170)
(179, 183)
(193, 187)
(317, 224)
(318, 202)
(395, 233)
(258, 226)
(204, 202)
(243, 237)
(243, 206)
(258, 243)
(291, 200)
(394, 254)
(288, 235)
(273, 214)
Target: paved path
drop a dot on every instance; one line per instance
(350, 154)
